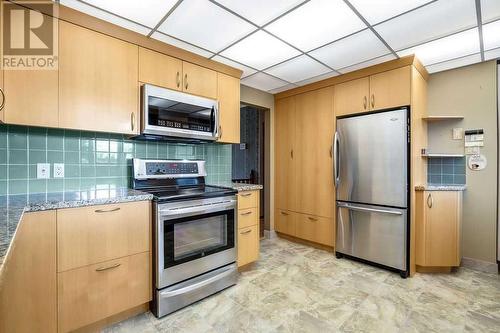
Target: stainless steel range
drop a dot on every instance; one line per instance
(194, 230)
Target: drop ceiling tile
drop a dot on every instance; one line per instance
(260, 50)
(263, 81)
(455, 63)
(281, 89)
(380, 10)
(246, 70)
(105, 16)
(451, 47)
(205, 24)
(491, 35)
(260, 12)
(490, 10)
(492, 54)
(298, 69)
(316, 78)
(180, 44)
(148, 13)
(351, 50)
(368, 63)
(316, 23)
(432, 21)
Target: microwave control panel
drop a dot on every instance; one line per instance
(171, 168)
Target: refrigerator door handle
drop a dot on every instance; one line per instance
(336, 159)
(371, 210)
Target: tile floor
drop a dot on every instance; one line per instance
(294, 288)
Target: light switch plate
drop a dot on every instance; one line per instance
(458, 133)
(43, 170)
(58, 170)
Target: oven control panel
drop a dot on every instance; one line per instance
(159, 169)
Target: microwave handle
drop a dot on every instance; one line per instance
(215, 121)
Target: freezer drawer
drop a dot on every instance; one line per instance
(374, 233)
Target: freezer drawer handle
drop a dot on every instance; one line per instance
(372, 210)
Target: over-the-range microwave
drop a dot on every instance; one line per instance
(173, 115)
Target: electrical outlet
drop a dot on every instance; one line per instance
(43, 170)
(58, 170)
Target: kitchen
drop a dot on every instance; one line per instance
(380, 166)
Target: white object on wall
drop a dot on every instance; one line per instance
(477, 162)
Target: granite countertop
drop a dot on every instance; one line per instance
(12, 207)
(441, 188)
(240, 187)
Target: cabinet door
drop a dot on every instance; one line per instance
(442, 228)
(286, 182)
(351, 97)
(90, 235)
(199, 80)
(228, 94)
(89, 294)
(159, 69)
(248, 245)
(390, 89)
(2, 92)
(98, 81)
(316, 229)
(286, 222)
(314, 162)
(31, 96)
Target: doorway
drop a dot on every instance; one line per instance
(251, 157)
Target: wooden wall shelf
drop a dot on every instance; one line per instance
(442, 118)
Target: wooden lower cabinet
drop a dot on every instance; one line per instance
(286, 222)
(28, 287)
(248, 245)
(94, 234)
(315, 229)
(438, 228)
(92, 293)
(248, 235)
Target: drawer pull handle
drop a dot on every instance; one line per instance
(246, 232)
(246, 213)
(107, 211)
(246, 194)
(100, 269)
(312, 218)
(284, 213)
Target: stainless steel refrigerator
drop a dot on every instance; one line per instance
(371, 177)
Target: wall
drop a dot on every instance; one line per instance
(92, 160)
(248, 159)
(265, 100)
(470, 92)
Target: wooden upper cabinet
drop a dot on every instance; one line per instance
(98, 81)
(228, 94)
(286, 182)
(31, 96)
(352, 96)
(390, 89)
(159, 69)
(199, 80)
(315, 189)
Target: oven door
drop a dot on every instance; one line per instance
(194, 237)
(172, 113)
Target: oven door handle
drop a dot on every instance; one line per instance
(197, 210)
(197, 285)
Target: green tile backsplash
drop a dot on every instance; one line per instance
(446, 171)
(91, 160)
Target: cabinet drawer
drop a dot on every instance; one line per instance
(95, 234)
(248, 245)
(92, 293)
(247, 217)
(315, 229)
(248, 199)
(286, 222)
